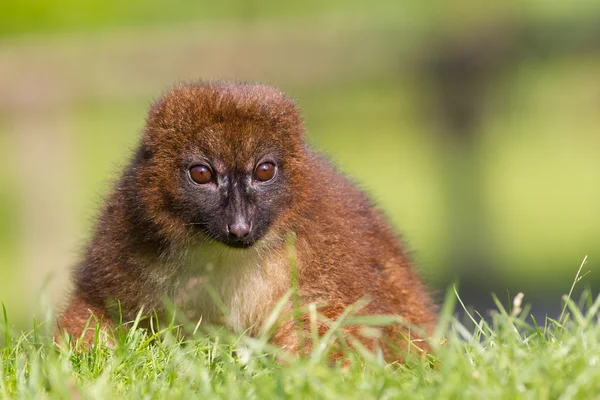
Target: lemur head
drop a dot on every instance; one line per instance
(220, 160)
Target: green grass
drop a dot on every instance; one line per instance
(511, 356)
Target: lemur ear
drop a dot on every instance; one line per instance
(143, 153)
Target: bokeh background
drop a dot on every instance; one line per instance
(474, 125)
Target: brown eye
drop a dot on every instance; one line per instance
(200, 174)
(265, 172)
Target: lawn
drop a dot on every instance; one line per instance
(508, 356)
(526, 189)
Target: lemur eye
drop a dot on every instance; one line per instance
(265, 172)
(201, 174)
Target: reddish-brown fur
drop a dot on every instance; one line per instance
(141, 250)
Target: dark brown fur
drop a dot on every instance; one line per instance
(143, 250)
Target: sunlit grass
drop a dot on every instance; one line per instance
(510, 355)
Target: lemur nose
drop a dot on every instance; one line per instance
(239, 229)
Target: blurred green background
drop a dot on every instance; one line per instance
(474, 125)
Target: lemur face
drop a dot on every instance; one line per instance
(232, 203)
(224, 160)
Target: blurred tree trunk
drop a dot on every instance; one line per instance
(460, 74)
